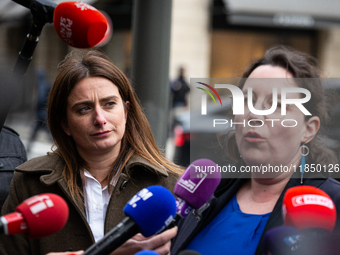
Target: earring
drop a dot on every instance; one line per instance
(263, 106)
(304, 151)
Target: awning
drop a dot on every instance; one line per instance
(284, 13)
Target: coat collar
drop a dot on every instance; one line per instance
(51, 167)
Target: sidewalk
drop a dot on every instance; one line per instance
(23, 124)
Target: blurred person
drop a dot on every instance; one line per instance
(12, 150)
(43, 88)
(179, 90)
(104, 153)
(244, 208)
(12, 154)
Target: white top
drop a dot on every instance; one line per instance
(96, 201)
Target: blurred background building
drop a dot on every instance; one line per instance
(209, 38)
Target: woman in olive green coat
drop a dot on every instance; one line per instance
(103, 142)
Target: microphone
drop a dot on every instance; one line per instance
(189, 252)
(282, 240)
(38, 216)
(312, 211)
(148, 212)
(147, 252)
(196, 185)
(109, 31)
(25, 3)
(79, 25)
(306, 207)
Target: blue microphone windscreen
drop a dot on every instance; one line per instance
(152, 208)
(146, 252)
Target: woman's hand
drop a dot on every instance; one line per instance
(159, 243)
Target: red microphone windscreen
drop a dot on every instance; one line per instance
(109, 31)
(44, 214)
(308, 207)
(79, 25)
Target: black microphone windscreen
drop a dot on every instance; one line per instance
(25, 3)
(189, 252)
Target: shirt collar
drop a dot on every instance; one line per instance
(87, 174)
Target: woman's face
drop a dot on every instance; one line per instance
(271, 143)
(96, 116)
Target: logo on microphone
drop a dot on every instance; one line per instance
(312, 200)
(192, 184)
(293, 240)
(84, 6)
(39, 203)
(66, 30)
(144, 194)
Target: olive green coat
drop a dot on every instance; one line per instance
(44, 175)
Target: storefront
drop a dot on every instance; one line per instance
(242, 30)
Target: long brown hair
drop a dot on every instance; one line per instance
(300, 65)
(138, 138)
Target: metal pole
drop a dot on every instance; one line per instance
(151, 26)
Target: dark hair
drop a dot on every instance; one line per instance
(300, 65)
(138, 138)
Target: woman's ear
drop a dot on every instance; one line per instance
(64, 126)
(127, 106)
(312, 127)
